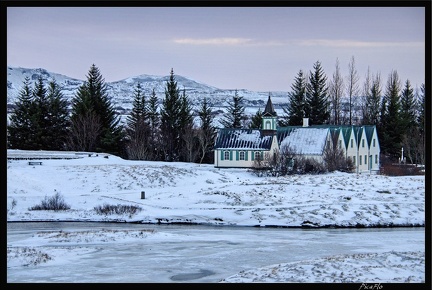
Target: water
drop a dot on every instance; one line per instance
(200, 254)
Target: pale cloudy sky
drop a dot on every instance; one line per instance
(255, 48)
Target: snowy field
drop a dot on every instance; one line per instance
(201, 194)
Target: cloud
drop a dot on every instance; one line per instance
(341, 43)
(213, 41)
(227, 41)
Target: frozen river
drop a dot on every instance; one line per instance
(200, 254)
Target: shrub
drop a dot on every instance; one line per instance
(55, 203)
(108, 209)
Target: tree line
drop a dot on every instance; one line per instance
(166, 132)
(170, 132)
(396, 109)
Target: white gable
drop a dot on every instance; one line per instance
(309, 141)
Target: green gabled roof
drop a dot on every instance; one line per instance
(247, 139)
(369, 129)
(346, 134)
(282, 132)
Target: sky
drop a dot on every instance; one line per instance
(254, 48)
(202, 194)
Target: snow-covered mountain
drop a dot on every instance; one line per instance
(122, 91)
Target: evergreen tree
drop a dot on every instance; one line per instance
(22, 124)
(92, 104)
(317, 103)
(154, 122)
(411, 134)
(58, 117)
(137, 128)
(234, 115)
(206, 133)
(295, 112)
(40, 120)
(421, 145)
(421, 108)
(407, 108)
(188, 140)
(139, 110)
(170, 120)
(371, 111)
(256, 121)
(391, 135)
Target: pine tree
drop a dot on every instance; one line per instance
(91, 107)
(40, 120)
(371, 111)
(317, 104)
(154, 122)
(407, 108)
(234, 115)
(58, 117)
(391, 138)
(188, 141)
(411, 134)
(21, 130)
(295, 112)
(206, 133)
(170, 120)
(137, 128)
(256, 121)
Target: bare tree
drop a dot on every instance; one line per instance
(205, 143)
(352, 88)
(189, 137)
(138, 146)
(336, 86)
(334, 157)
(85, 129)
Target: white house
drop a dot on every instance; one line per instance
(240, 147)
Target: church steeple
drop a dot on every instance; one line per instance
(269, 109)
(269, 117)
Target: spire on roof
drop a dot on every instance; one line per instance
(269, 109)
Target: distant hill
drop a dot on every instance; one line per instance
(122, 91)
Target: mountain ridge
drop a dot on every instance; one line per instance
(121, 92)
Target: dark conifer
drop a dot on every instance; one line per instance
(92, 104)
(295, 111)
(170, 120)
(207, 133)
(234, 115)
(317, 104)
(21, 128)
(256, 121)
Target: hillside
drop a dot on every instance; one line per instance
(122, 91)
(202, 194)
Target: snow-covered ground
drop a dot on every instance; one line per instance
(202, 194)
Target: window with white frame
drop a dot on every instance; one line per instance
(360, 160)
(242, 155)
(258, 155)
(352, 143)
(373, 142)
(340, 143)
(376, 159)
(354, 160)
(226, 155)
(363, 143)
(365, 159)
